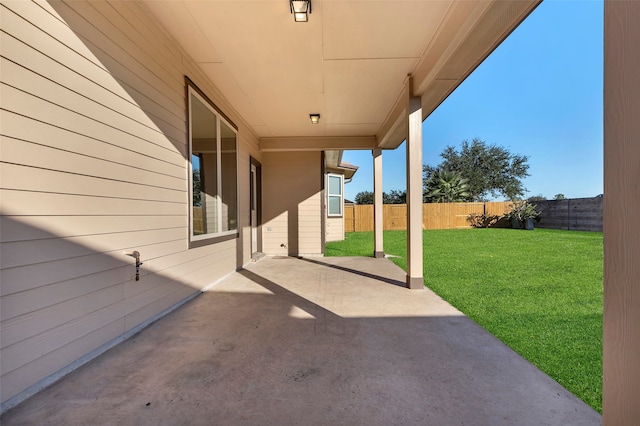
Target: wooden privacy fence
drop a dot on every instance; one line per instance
(359, 217)
(198, 221)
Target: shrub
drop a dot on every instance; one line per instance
(522, 210)
(482, 220)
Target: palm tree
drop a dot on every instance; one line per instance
(444, 186)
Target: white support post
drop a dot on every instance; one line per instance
(415, 278)
(378, 250)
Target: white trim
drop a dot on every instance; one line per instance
(330, 195)
(207, 236)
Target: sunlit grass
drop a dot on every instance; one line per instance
(540, 292)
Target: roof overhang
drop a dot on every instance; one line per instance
(355, 63)
(333, 163)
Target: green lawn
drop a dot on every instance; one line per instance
(540, 292)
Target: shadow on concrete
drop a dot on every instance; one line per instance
(354, 271)
(263, 350)
(302, 303)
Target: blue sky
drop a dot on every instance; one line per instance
(538, 94)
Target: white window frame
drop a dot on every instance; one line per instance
(330, 195)
(211, 237)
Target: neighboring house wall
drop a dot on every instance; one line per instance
(94, 166)
(292, 198)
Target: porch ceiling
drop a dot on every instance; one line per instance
(349, 62)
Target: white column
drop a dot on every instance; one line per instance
(378, 250)
(415, 279)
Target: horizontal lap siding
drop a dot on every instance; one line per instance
(59, 358)
(93, 167)
(85, 146)
(310, 224)
(335, 228)
(292, 190)
(102, 88)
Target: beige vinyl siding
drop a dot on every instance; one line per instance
(310, 225)
(93, 166)
(335, 228)
(292, 191)
(85, 79)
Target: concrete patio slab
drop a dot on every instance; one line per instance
(311, 341)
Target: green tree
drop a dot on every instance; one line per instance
(197, 188)
(445, 186)
(364, 197)
(490, 170)
(395, 196)
(559, 197)
(535, 198)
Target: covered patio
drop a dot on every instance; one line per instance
(309, 341)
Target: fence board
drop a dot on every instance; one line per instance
(349, 218)
(364, 218)
(395, 217)
(359, 218)
(575, 214)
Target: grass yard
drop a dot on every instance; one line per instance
(540, 292)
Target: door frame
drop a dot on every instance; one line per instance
(255, 203)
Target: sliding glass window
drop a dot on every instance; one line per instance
(213, 162)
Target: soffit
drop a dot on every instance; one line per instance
(333, 163)
(349, 62)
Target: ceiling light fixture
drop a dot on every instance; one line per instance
(300, 9)
(315, 118)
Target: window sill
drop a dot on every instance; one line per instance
(213, 240)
